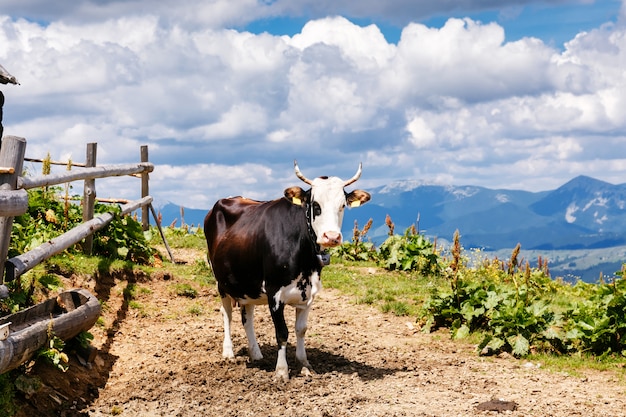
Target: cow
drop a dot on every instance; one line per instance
(272, 253)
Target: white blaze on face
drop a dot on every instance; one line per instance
(328, 201)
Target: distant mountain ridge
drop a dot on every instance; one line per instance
(584, 213)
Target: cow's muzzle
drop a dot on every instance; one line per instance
(330, 239)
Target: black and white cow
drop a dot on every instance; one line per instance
(271, 253)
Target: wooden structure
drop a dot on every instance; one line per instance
(23, 333)
(66, 315)
(14, 201)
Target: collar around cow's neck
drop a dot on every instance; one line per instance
(322, 255)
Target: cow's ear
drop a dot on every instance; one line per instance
(358, 197)
(296, 195)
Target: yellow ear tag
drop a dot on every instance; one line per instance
(296, 201)
(355, 203)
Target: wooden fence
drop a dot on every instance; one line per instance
(14, 202)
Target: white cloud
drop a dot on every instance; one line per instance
(365, 47)
(200, 185)
(466, 60)
(226, 111)
(421, 136)
(241, 119)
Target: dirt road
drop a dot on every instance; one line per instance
(162, 357)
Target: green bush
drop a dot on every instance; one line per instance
(357, 249)
(598, 323)
(409, 252)
(49, 216)
(522, 310)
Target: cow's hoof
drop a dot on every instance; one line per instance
(255, 354)
(307, 372)
(281, 375)
(230, 356)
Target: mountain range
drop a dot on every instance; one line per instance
(584, 214)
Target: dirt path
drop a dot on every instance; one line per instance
(164, 359)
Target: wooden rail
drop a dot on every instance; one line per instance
(22, 333)
(70, 312)
(12, 156)
(17, 265)
(14, 202)
(84, 174)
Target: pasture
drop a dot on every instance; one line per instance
(159, 354)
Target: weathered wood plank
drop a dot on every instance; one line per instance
(13, 202)
(158, 223)
(17, 265)
(11, 155)
(65, 316)
(84, 174)
(145, 189)
(89, 195)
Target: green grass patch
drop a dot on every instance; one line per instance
(196, 309)
(564, 326)
(179, 237)
(140, 308)
(398, 308)
(578, 365)
(7, 394)
(401, 293)
(50, 282)
(185, 290)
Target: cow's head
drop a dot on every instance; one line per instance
(325, 202)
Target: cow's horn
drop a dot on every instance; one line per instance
(299, 174)
(356, 176)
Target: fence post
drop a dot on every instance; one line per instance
(11, 155)
(89, 195)
(145, 214)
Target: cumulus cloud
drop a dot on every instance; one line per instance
(226, 111)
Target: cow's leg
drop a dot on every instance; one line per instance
(247, 318)
(227, 313)
(302, 315)
(277, 310)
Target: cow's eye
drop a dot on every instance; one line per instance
(317, 210)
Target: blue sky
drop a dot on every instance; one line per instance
(554, 23)
(515, 94)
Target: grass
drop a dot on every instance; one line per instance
(392, 292)
(7, 393)
(196, 309)
(578, 365)
(139, 307)
(179, 238)
(398, 308)
(185, 290)
(403, 294)
(399, 293)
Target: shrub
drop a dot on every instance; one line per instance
(356, 249)
(49, 216)
(409, 252)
